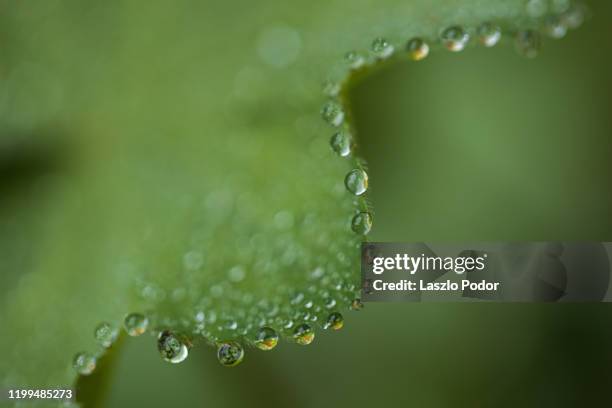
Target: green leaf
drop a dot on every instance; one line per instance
(185, 170)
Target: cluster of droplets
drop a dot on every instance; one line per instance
(174, 347)
(554, 17)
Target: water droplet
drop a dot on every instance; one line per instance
(266, 338)
(331, 88)
(84, 363)
(332, 113)
(356, 181)
(455, 38)
(341, 143)
(536, 8)
(105, 334)
(171, 347)
(356, 305)
(354, 60)
(329, 303)
(489, 34)
(417, 49)
(231, 325)
(230, 353)
(334, 321)
(382, 48)
(528, 43)
(362, 223)
(135, 324)
(303, 334)
(555, 28)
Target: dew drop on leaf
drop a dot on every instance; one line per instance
(356, 305)
(230, 353)
(335, 321)
(303, 334)
(332, 113)
(381, 48)
(171, 347)
(84, 363)
(455, 38)
(489, 34)
(341, 143)
(555, 28)
(417, 49)
(105, 334)
(362, 223)
(354, 60)
(356, 182)
(266, 338)
(135, 324)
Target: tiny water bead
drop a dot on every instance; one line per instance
(332, 113)
(105, 334)
(362, 223)
(489, 34)
(331, 88)
(356, 305)
(417, 49)
(303, 334)
(341, 143)
(528, 43)
(266, 338)
(555, 28)
(84, 363)
(335, 321)
(455, 38)
(381, 48)
(230, 353)
(135, 324)
(354, 60)
(356, 181)
(171, 347)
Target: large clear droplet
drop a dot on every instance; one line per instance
(356, 181)
(230, 353)
(171, 347)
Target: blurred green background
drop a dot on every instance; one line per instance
(483, 145)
